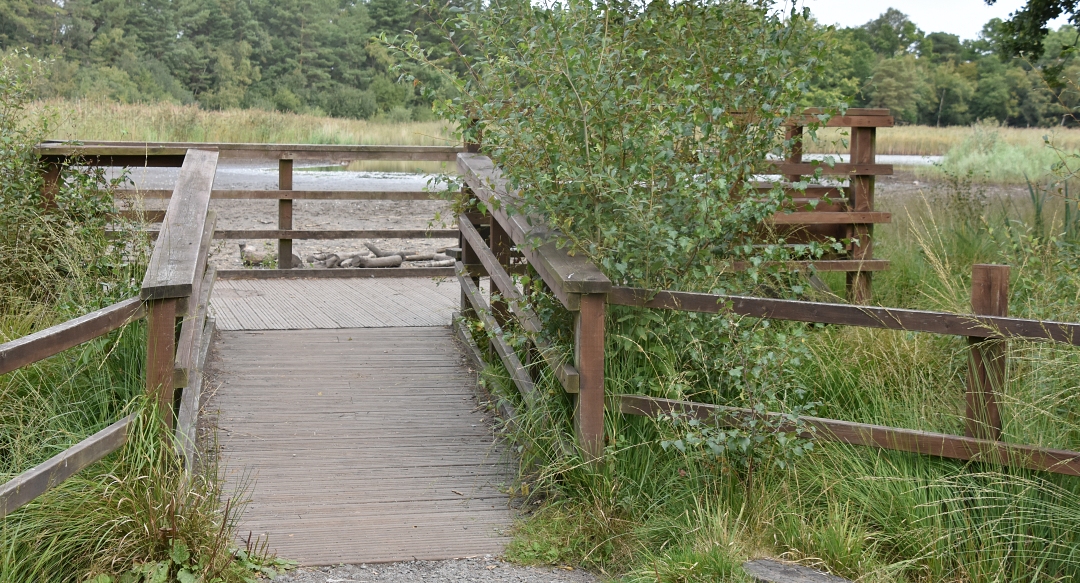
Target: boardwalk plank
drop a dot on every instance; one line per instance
(394, 460)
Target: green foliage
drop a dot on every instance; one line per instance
(136, 515)
(935, 79)
(305, 56)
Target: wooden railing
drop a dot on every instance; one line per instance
(841, 213)
(164, 154)
(585, 291)
(175, 293)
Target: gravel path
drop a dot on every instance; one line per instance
(485, 569)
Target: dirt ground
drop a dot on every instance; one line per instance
(311, 214)
(376, 214)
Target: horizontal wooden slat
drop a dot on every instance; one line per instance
(568, 375)
(343, 273)
(846, 121)
(506, 353)
(55, 339)
(173, 264)
(297, 194)
(38, 480)
(566, 275)
(821, 265)
(909, 440)
(849, 315)
(148, 151)
(838, 169)
(472, 352)
(141, 215)
(358, 234)
(874, 111)
(831, 218)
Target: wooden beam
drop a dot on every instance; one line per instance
(986, 364)
(830, 218)
(909, 440)
(849, 265)
(337, 273)
(977, 326)
(297, 194)
(566, 275)
(55, 339)
(323, 235)
(149, 151)
(172, 269)
(285, 214)
(38, 480)
(568, 375)
(837, 169)
(589, 360)
(161, 355)
(524, 383)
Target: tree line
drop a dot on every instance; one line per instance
(310, 56)
(937, 79)
(324, 57)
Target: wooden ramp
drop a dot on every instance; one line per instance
(359, 445)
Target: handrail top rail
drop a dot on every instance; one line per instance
(947, 323)
(44, 343)
(565, 273)
(173, 266)
(227, 149)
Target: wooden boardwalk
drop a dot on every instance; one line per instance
(359, 445)
(296, 304)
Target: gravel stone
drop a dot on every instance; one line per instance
(486, 569)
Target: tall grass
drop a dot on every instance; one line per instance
(650, 514)
(167, 122)
(938, 141)
(136, 515)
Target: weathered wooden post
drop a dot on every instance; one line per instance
(861, 199)
(794, 133)
(589, 361)
(161, 317)
(170, 281)
(986, 365)
(500, 243)
(50, 184)
(285, 214)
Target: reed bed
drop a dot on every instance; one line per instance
(167, 122)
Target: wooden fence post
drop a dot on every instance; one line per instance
(50, 184)
(471, 261)
(795, 134)
(589, 360)
(285, 214)
(499, 242)
(986, 366)
(861, 199)
(161, 355)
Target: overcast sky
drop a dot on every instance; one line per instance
(964, 18)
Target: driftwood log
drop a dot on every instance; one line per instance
(380, 252)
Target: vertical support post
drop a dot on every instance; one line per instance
(50, 184)
(500, 245)
(986, 365)
(795, 134)
(285, 213)
(470, 260)
(161, 355)
(861, 199)
(589, 360)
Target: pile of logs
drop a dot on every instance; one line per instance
(378, 257)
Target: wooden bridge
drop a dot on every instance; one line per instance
(360, 432)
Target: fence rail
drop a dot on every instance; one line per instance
(175, 293)
(583, 290)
